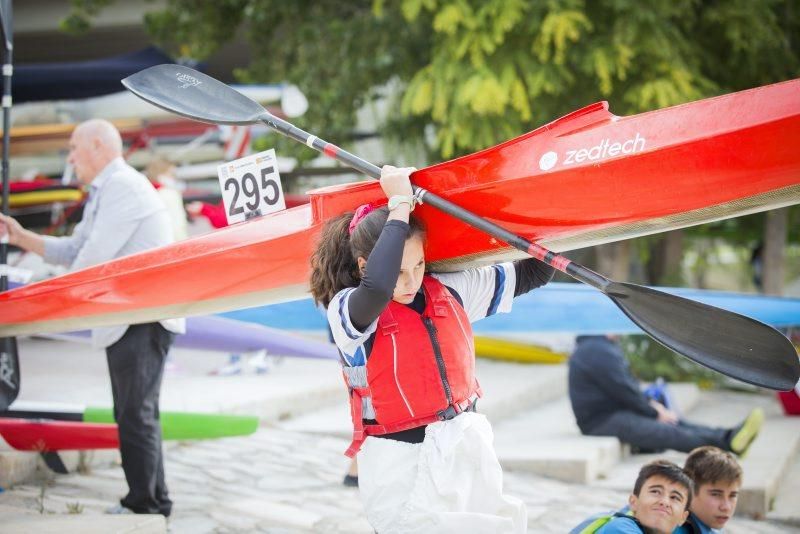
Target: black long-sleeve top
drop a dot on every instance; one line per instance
(377, 285)
(600, 383)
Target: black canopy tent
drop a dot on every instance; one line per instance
(81, 79)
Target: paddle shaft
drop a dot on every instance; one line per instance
(549, 257)
(727, 342)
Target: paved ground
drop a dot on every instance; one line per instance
(276, 481)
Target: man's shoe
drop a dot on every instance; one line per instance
(350, 481)
(118, 509)
(745, 433)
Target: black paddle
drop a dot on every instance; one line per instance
(732, 344)
(9, 361)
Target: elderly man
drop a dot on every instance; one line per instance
(123, 215)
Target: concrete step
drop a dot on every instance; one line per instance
(24, 521)
(767, 460)
(786, 506)
(546, 441)
(508, 388)
(78, 374)
(20, 466)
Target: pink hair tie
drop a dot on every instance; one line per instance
(362, 211)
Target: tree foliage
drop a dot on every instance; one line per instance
(499, 67)
(482, 71)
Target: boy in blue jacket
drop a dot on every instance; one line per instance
(717, 478)
(659, 503)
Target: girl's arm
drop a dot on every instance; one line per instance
(531, 273)
(379, 277)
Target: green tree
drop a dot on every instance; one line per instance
(338, 53)
(498, 67)
(482, 71)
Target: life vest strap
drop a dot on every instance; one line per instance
(361, 431)
(388, 323)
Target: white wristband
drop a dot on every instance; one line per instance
(396, 200)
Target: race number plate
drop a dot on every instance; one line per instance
(251, 186)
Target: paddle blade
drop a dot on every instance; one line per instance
(53, 460)
(9, 372)
(732, 344)
(190, 93)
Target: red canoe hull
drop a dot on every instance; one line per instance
(584, 179)
(45, 436)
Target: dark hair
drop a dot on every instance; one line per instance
(668, 470)
(334, 263)
(709, 465)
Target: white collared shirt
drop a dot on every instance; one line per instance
(122, 216)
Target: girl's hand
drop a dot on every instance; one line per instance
(395, 180)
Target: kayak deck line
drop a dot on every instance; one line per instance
(780, 198)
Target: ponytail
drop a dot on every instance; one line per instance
(334, 264)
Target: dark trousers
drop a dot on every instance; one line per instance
(136, 366)
(649, 434)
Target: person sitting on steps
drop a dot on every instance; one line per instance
(607, 401)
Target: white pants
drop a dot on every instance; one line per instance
(451, 482)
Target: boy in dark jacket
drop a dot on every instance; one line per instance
(607, 401)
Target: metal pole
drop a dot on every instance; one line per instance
(8, 70)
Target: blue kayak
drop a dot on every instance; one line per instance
(557, 307)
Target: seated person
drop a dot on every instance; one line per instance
(659, 503)
(607, 401)
(717, 478)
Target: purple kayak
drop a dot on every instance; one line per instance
(229, 335)
(219, 334)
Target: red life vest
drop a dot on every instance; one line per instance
(421, 368)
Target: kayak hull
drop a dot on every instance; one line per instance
(94, 428)
(584, 179)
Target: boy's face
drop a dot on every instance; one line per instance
(660, 505)
(715, 503)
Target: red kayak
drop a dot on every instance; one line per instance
(588, 178)
(39, 427)
(45, 436)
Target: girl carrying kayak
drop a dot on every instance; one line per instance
(426, 462)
